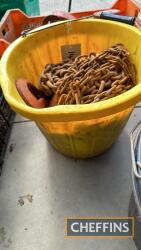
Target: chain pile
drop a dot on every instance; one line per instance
(89, 78)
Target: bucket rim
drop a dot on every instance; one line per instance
(70, 112)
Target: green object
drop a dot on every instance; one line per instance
(30, 7)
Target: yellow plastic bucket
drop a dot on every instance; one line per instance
(75, 130)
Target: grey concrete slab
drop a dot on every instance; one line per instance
(47, 7)
(90, 5)
(19, 118)
(60, 187)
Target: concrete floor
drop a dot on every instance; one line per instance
(61, 186)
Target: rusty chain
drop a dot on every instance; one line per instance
(89, 78)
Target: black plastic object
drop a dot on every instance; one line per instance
(70, 4)
(123, 19)
(6, 120)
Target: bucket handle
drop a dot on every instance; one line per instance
(104, 15)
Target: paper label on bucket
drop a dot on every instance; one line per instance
(70, 51)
